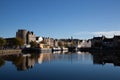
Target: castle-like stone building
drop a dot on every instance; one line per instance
(26, 36)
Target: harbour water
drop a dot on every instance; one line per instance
(60, 66)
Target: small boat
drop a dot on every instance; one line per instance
(31, 50)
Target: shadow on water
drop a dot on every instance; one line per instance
(2, 62)
(104, 57)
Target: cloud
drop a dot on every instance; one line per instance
(99, 33)
(107, 34)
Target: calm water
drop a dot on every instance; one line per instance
(60, 66)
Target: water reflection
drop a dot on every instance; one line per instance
(106, 57)
(27, 61)
(21, 62)
(2, 62)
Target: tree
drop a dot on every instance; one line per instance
(43, 42)
(2, 42)
(60, 44)
(17, 42)
(33, 44)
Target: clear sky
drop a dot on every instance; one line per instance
(60, 18)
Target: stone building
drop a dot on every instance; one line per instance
(30, 37)
(49, 41)
(22, 34)
(103, 42)
(26, 36)
(108, 42)
(96, 42)
(117, 41)
(55, 43)
(84, 44)
(69, 42)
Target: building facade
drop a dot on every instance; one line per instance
(103, 42)
(49, 41)
(22, 34)
(26, 36)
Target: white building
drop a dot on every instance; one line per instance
(84, 44)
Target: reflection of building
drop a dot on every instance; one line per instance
(99, 58)
(26, 63)
(44, 57)
(22, 62)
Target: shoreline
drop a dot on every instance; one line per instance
(10, 51)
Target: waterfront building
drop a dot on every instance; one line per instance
(103, 42)
(49, 41)
(108, 42)
(117, 41)
(26, 36)
(96, 42)
(69, 42)
(30, 37)
(10, 43)
(84, 44)
(22, 34)
(39, 39)
(56, 43)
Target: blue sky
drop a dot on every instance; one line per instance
(60, 18)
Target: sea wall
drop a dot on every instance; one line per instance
(8, 52)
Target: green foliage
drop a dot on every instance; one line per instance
(73, 44)
(33, 44)
(66, 45)
(60, 44)
(2, 42)
(43, 42)
(18, 42)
